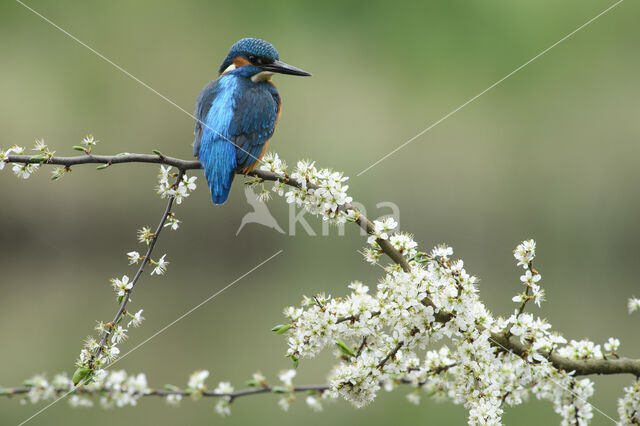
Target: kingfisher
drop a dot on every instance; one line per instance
(237, 113)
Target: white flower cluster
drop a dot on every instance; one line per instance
(43, 155)
(116, 389)
(629, 405)
(322, 192)
(383, 336)
(167, 189)
(24, 170)
(382, 230)
(633, 305)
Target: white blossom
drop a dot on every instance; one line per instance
(172, 222)
(24, 170)
(89, 141)
(612, 345)
(271, 162)
(121, 285)
(134, 257)
(145, 235)
(160, 266)
(118, 335)
(189, 182)
(629, 405)
(174, 399)
(525, 253)
(287, 376)
(223, 407)
(196, 380)
(224, 387)
(313, 403)
(284, 403)
(136, 319)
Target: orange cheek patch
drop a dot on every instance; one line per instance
(240, 62)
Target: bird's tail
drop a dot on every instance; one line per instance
(218, 158)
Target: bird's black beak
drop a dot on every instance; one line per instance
(282, 68)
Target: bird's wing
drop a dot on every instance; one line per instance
(253, 123)
(203, 105)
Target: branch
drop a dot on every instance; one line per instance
(608, 366)
(143, 263)
(164, 392)
(80, 390)
(107, 159)
(363, 222)
(581, 367)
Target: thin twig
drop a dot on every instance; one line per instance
(145, 260)
(166, 392)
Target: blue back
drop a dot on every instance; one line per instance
(236, 118)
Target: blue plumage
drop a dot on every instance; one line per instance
(237, 114)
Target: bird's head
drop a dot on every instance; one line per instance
(257, 60)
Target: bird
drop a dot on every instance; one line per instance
(237, 113)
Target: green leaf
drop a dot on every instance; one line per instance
(102, 166)
(37, 158)
(279, 389)
(120, 298)
(344, 348)
(29, 383)
(171, 387)
(80, 148)
(81, 374)
(294, 358)
(158, 153)
(281, 328)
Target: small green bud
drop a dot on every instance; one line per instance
(102, 166)
(158, 153)
(344, 348)
(80, 148)
(281, 328)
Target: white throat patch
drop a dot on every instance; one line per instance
(262, 76)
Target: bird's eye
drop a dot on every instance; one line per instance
(252, 59)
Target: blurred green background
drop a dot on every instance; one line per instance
(551, 153)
